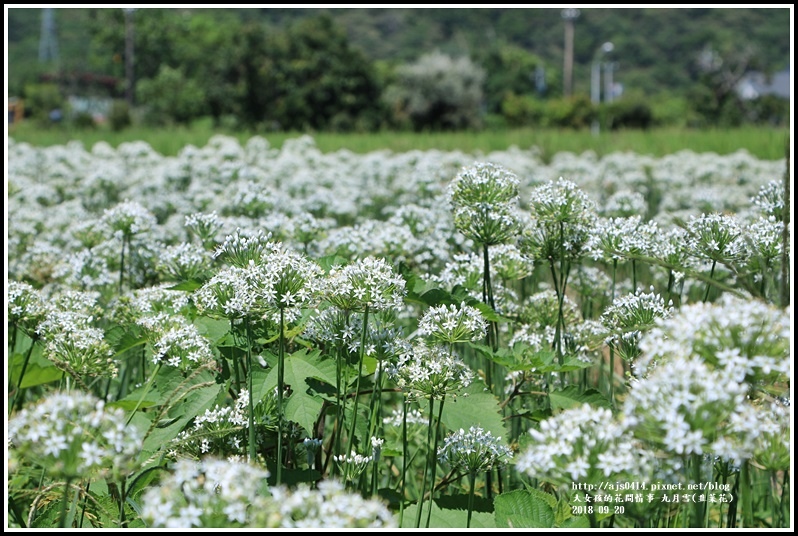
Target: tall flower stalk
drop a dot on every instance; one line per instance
(484, 199)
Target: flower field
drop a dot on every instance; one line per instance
(241, 336)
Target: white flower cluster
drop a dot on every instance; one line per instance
(628, 317)
(26, 306)
(184, 262)
(75, 436)
(749, 339)
(279, 281)
(563, 218)
(367, 283)
(209, 493)
(217, 431)
(715, 237)
(431, 371)
(176, 342)
(584, 444)
(129, 218)
(614, 239)
(484, 199)
(327, 507)
(689, 408)
(452, 324)
(75, 345)
(475, 451)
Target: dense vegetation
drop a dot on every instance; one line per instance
(350, 69)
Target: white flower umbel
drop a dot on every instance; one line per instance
(475, 450)
(75, 436)
(430, 371)
(452, 324)
(685, 407)
(330, 506)
(208, 493)
(75, 345)
(583, 445)
(369, 283)
(176, 342)
(484, 199)
(748, 339)
(629, 317)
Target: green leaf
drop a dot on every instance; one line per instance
(304, 404)
(37, 375)
(475, 406)
(329, 261)
(444, 518)
(301, 365)
(576, 522)
(524, 509)
(213, 328)
(190, 285)
(572, 397)
(130, 402)
(123, 338)
(304, 409)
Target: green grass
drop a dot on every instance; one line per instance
(763, 142)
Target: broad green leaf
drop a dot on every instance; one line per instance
(37, 374)
(523, 509)
(572, 397)
(301, 365)
(443, 518)
(304, 405)
(576, 522)
(213, 329)
(329, 261)
(188, 286)
(475, 406)
(130, 402)
(303, 409)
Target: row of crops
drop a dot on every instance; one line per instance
(241, 336)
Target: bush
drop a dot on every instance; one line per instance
(119, 115)
(628, 113)
(170, 97)
(41, 99)
(575, 112)
(437, 92)
(523, 110)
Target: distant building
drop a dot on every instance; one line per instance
(755, 84)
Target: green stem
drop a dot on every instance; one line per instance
(404, 458)
(711, 273)
(252, 451)
(351, 445)
(64, 503)
(434, 457)
(472, 477)
(698, 506)
(784, 281)
(280, 387)
(146, 391)
(236, 371)
(426, 464)
(746, 497)
(122, 500)
(18, 392)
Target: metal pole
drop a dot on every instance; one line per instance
(569, 16)
(129, 73)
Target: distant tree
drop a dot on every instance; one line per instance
(438, 92)
(510, 69)
(170, 97)
(713, 98)
(312, 78)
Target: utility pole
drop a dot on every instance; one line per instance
(129, 74)
(48, 42)
(569, 15)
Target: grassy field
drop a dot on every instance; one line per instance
(763, 142)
